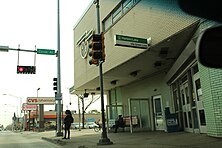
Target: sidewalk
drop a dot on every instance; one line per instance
(88, 138)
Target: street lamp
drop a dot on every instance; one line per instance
(37, 106)
(38, 91)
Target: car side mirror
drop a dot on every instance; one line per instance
(209, 47)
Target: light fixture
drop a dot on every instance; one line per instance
(134, 73)
(163, 52)
(113, 82)
(85, 95)
(157, 64)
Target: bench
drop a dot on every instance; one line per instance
(135, 120)
(126, 122)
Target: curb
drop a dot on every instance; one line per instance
(60, 142)
(55, 141)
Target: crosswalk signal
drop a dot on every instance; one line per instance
(26, 69)
(55, 85)
(97, 47)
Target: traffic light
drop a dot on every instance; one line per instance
(55, 85)
(103, 46)
(26, 69)
(97, 49)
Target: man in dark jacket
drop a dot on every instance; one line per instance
(119, 123)
(67, 122)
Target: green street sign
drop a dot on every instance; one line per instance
(129, 41)
(46, 51)
(4, 48)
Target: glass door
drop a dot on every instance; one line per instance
(139, 107)
(158, 113)
(186, 107)
(199, 103)
(112, 112)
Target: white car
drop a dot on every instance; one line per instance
(76, 125)
(91, 125)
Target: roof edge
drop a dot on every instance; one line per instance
(92, 2)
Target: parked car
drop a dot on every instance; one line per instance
(91, 125)
(76, 125)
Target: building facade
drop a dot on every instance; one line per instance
(150, 66)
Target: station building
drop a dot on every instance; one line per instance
(150, 66)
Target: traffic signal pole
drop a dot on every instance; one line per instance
(104, 139)
(58, 96)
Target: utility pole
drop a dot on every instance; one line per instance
(58, 96)
(104, 139)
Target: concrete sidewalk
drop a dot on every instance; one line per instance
(88, 138)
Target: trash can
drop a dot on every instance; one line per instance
(171, 121)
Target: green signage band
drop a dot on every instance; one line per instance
(135, 42)
(46, 51)
(131, 39)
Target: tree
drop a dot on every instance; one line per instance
(86, 106)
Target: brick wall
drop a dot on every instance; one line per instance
(211, 83)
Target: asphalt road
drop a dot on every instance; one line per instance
(18, 140)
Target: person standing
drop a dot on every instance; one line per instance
(68, 120)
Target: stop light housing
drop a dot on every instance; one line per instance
(55, 84)
(26, 69)
(97, 47)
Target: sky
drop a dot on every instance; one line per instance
(31, 24)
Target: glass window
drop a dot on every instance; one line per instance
(135, 1)
(184, 79)
(127, 5)
(117, 14)
(183, 97)
(202, 117)
(198, 89)
(187, 95)
(158, 106)
(195, 69)
(193, 101)
(122, 8)
(113, 97)
(195, 118)
(185, 119)
(176, 101)
(190, 119)
(107, 23)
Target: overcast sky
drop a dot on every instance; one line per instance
(31, 23)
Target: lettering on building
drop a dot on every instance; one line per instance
(83, 43)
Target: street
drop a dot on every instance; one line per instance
(88, 138)
(10, 139)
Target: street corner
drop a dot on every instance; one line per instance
(57, 141)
